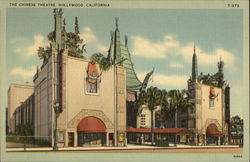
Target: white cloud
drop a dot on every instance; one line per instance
(32, 48)
(24, 73)
(38, 42)
(88, 35)
(92, 42)
(145, 48)
(102, 48)
(206, 58)
(169, 46)
(176, 65)
(168, 81)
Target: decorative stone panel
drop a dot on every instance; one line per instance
(85, 113)
(211, 121)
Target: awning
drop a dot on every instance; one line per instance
(138, 130)
(178, 131)
(91, 125)
(212, 130)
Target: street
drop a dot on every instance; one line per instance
(174, 150)
(234, 149)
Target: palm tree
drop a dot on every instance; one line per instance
(151, 98)
(173, 101)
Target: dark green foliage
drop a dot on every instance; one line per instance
(51, 36)
(25, 130)
(30, 140)
(73, 42)
(96, 58)
(236, 120)
(170, 102)
(104, 63)
(161, 143)
(151, 98)
(43, 53)
(173, 101)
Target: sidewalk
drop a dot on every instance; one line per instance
(129, 147)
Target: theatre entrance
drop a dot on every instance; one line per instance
(91, 139)
(212, 135)
(91, 131)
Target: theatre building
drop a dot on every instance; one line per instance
(210, 119)
(92, 103)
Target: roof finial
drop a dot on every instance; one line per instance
(126, 40)
(112, 35)
(194, 49)
(116, 22)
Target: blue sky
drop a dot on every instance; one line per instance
(160, 38)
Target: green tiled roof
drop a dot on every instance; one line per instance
(132, 82)
(119, 54)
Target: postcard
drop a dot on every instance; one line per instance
(124, 80)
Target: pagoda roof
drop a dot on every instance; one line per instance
(119, 54)
(132, 81)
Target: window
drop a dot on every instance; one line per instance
(143, 119)
(92, 84)
(211, 103)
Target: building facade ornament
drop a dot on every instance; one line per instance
(211, 121)
(85, 113)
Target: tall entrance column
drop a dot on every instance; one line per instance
(205, 137)
(107, 139)
(76, 140)
(219, 140)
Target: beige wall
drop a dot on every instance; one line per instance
(78, 99)
(17, 94)
(43, 101)
(206, 114)
(147, 113)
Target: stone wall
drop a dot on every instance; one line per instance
(16, 95)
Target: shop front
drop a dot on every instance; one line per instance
(171, 135)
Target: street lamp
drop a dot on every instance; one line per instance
(57, 112)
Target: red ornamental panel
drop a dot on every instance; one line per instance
(92, 69)
(91, 124)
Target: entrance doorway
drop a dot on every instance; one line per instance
(91, 139)
(111, 139)
(91, 131)
(71, 139)
(212, 135)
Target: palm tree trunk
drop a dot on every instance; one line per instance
(175, 116)
(152, 133)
